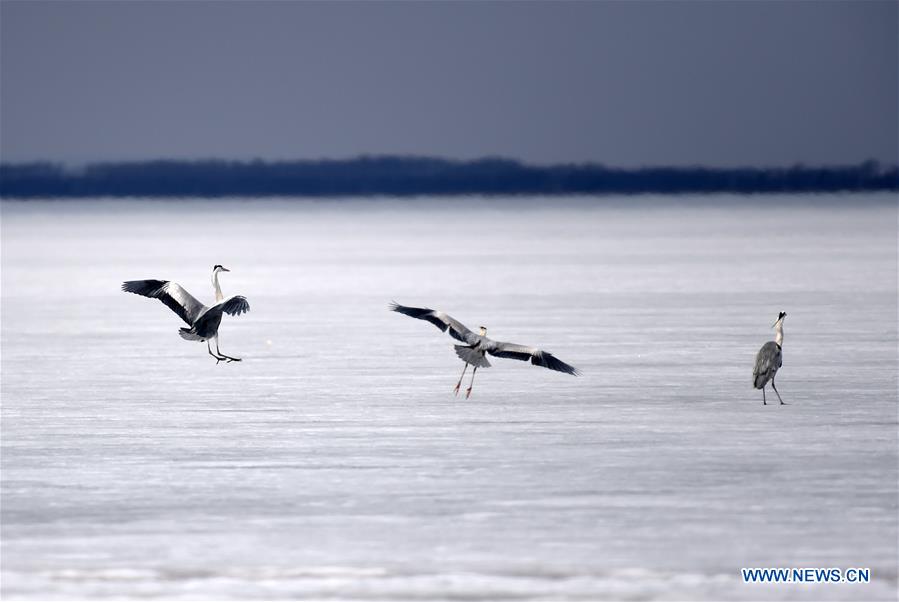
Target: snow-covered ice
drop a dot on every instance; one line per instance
(334, 461)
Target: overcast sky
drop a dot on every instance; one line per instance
(715, 83)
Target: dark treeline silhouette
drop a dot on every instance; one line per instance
(404, 176)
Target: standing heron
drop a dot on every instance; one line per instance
(203, 321)
(769, 360)
(477, 346)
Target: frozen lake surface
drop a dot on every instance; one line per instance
(334, 461)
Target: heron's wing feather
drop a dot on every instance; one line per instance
(439, 319)
(171, 293)
(548, 360)
(457, 329)
(767, 360)
(235, 305)
(536, 356)
(422, 313)
(511, 351)
(768, 357)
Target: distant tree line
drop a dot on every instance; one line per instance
(406, 176)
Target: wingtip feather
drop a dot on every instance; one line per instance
(132, 286)
(553, 363)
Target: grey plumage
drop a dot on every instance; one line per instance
(769, 359)
(767, 362)
(537, 357)
(472, 356)
(203, 322)
(443, 321)
(207, 323)
(478, 345)
(171, 293)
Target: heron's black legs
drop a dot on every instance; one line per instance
(764, 403)
(778, 394)
(217, 357)
(471, 384)
(459, 384)
(227, 357)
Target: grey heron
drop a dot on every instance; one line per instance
(769, 360)
(477, 346)
(203, 321)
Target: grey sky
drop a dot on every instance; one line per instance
(716, 83)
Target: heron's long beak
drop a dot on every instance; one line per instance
(225, 270)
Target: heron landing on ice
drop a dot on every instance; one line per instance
(769, 360)
(477, 346)
(203, 321)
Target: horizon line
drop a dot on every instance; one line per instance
(76, 166)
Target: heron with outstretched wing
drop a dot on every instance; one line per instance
(476, 345)
(203, 322)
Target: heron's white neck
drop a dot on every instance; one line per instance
(779, 333)
(218, 290)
